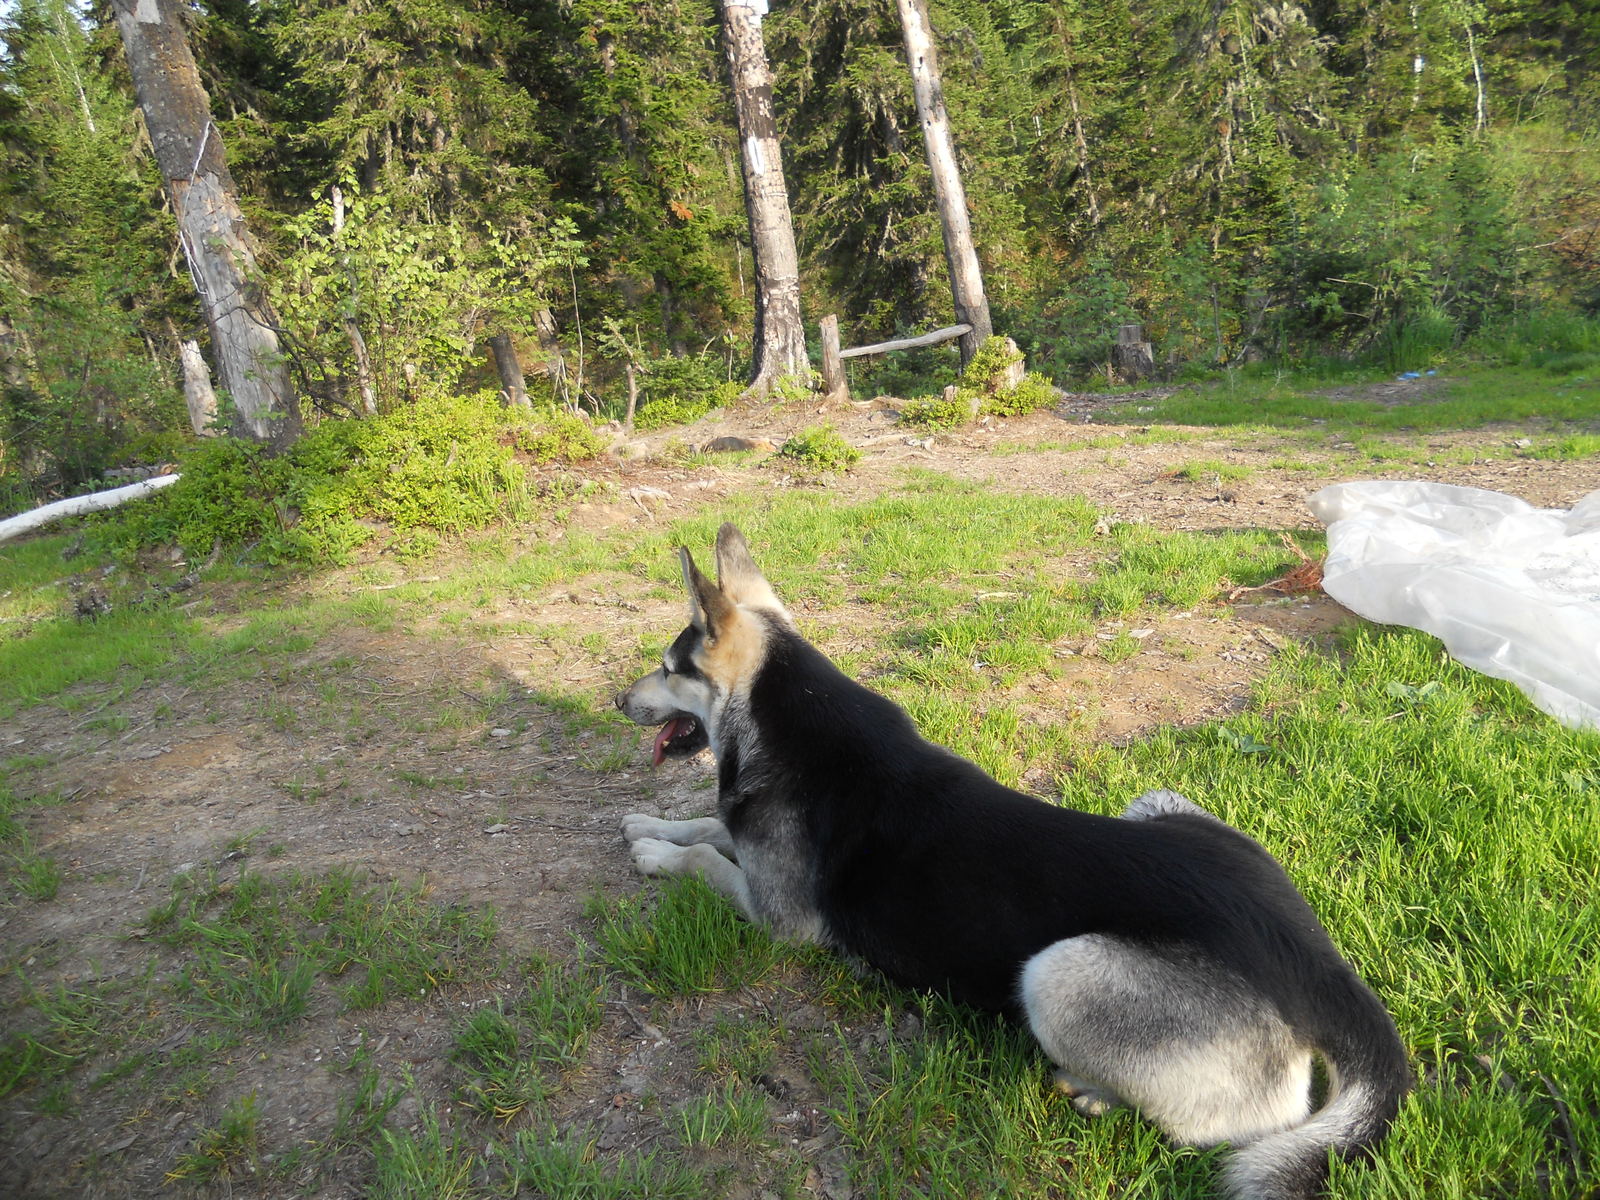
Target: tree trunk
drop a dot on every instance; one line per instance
(352, 327)
(74, 506)
(197, 392)
(211, 229)
(780, 337)
(966, 279)
(509, 367)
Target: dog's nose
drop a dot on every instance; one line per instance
(620, 698)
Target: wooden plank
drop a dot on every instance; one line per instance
(946, 334)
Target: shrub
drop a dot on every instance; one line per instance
(821, 448)
(1033, 392)
(444, 466)
(982, 389)
(941, 411)
(679, 390)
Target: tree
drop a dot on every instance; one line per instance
(966, 277)
(780, 336)
(211, 229)
(85, 291)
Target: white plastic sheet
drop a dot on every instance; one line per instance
(1512, 590)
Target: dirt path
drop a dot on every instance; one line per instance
(416, 755)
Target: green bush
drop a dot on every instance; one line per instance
(1035, 391)
(939, 412)
(821, 448)
(981, 389)
(677, 390)
(444, 466)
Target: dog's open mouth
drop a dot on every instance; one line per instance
(680, 737)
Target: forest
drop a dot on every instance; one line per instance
(430, 184)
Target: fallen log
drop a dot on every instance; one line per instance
(75, 506)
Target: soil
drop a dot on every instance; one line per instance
(514, 804)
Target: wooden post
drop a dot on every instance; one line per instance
(835, 387)
(1132, 356)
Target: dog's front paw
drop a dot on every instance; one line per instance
(652, 856)
(637, 825)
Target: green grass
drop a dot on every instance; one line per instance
(1447, 833)
(682, 939)
(1213, 471)
(1471, 398)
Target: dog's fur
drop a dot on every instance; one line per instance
(1163, 959)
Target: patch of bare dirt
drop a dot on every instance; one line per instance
(417, 755)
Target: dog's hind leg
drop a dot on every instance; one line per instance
(701, 831)
(1187, 1043)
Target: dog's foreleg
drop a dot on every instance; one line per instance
(701, 831)
(652, 856)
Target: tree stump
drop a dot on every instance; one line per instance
(1132, 356)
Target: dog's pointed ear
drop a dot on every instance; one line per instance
(741, 580)
(709, 608)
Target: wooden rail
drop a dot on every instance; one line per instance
(834, 384)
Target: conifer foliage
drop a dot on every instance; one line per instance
(1244, 179)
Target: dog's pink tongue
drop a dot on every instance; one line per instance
(664, 735)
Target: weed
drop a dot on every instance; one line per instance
(731, 1115)
(425, 1163)
(505, 1082)
(225, 1150)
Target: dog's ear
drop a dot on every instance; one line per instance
(709, 608)
(741, 580)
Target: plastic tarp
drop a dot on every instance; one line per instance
(1512, 590)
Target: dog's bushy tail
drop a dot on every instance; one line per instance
(1368, 1076)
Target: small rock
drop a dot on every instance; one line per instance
(500, 733)
(498, 827)
(409, 830)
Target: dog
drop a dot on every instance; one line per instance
(1162, 959)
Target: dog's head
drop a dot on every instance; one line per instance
(714, 659)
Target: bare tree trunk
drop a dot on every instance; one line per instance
(509, 367)
(633, 393)
(218, 246)
(780, 337)
(197, 393)
(966, 279)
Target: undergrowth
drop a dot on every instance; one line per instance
(444, 466)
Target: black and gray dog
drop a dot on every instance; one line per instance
(1162, 959)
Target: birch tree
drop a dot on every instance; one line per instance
(966, 277)
(211, 230)
(780, 336)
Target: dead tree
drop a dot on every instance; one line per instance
(780, 337)
(216, 243)
(966, 278)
